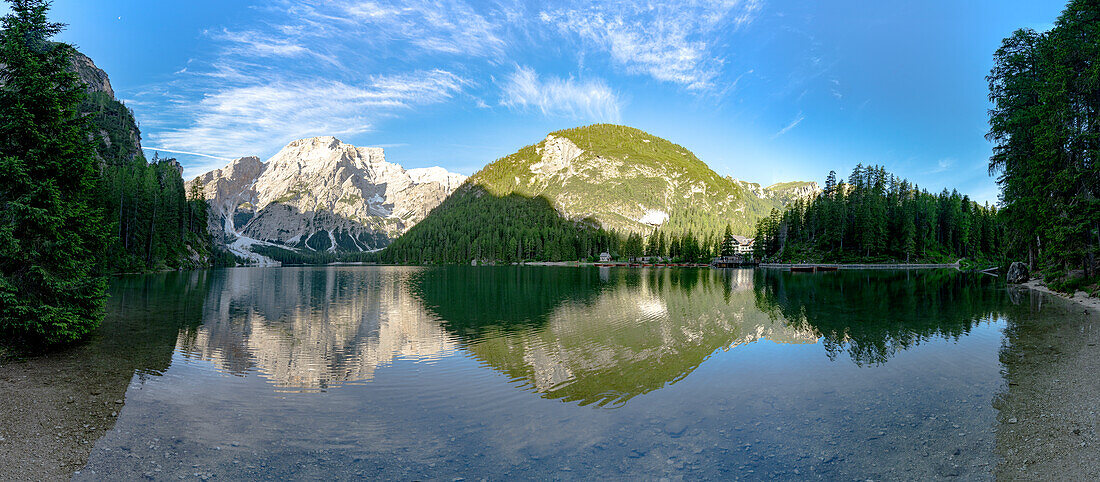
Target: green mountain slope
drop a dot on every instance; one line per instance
(627, 180)
(560, 198)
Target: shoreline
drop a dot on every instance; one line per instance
(1047, 421)
(898, 266)
(1080, 297)
(1048, 426)
(56, 406)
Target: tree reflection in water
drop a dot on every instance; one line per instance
(874, 314)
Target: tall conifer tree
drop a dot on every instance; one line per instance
(49, 233)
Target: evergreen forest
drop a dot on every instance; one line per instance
(1045, 128)
(875, 216)
(79, 200)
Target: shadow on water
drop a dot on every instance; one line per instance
(872, 315)
(475, 302)
(145, 316)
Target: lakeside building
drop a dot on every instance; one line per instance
(742, 244)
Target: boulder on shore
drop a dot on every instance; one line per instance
(1018, 273)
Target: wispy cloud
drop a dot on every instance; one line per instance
(340, 67)
(591, 99)
(174, 151)
(670, 41)
(943, 165)
(259, 118)
(834, 89)
(794, 123)
(447, 26)
(259, 44)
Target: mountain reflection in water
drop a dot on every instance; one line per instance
(590, 336)
(308, 329)
(439, 372)
(598, 337)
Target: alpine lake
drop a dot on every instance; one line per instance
(522, 372)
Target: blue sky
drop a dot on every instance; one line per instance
(761, 90)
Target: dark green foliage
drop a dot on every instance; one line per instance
(505, 214)
(473, 224)
(878, 217)
(156, 224)
(319, 241)
(703, 202)
(1045, 126)
(872, 315)
(50, 231)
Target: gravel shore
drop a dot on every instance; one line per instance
(1047, 425)
(55, 407)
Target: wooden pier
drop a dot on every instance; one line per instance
(732, 262)
(817, 268)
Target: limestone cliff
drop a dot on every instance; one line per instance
(320, 194)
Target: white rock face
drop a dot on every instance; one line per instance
(655, 217)
(557, 154)
(321, 194)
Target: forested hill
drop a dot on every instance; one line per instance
(154, 224)
(628, 180)
(585, 190)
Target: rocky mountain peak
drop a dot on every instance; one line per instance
(92, 76)
(320, 193)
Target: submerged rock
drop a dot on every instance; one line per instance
(1018, 273)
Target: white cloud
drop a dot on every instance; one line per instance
(258, 44)
(447, 26)
(943, 165)
(797, 120)
(173, 151)
(338, 67)
(591, 99)
(670, 41)
(259, 118)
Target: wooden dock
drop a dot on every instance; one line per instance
(732, 262)
(816, 268)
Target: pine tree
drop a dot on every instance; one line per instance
(50, 235)
(727, 242)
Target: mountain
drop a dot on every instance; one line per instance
(631, 181)
(317, 195)
(596, 178)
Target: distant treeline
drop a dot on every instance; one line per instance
(875, 216)
(473, 224)
(1045, 126)
(293, 257)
